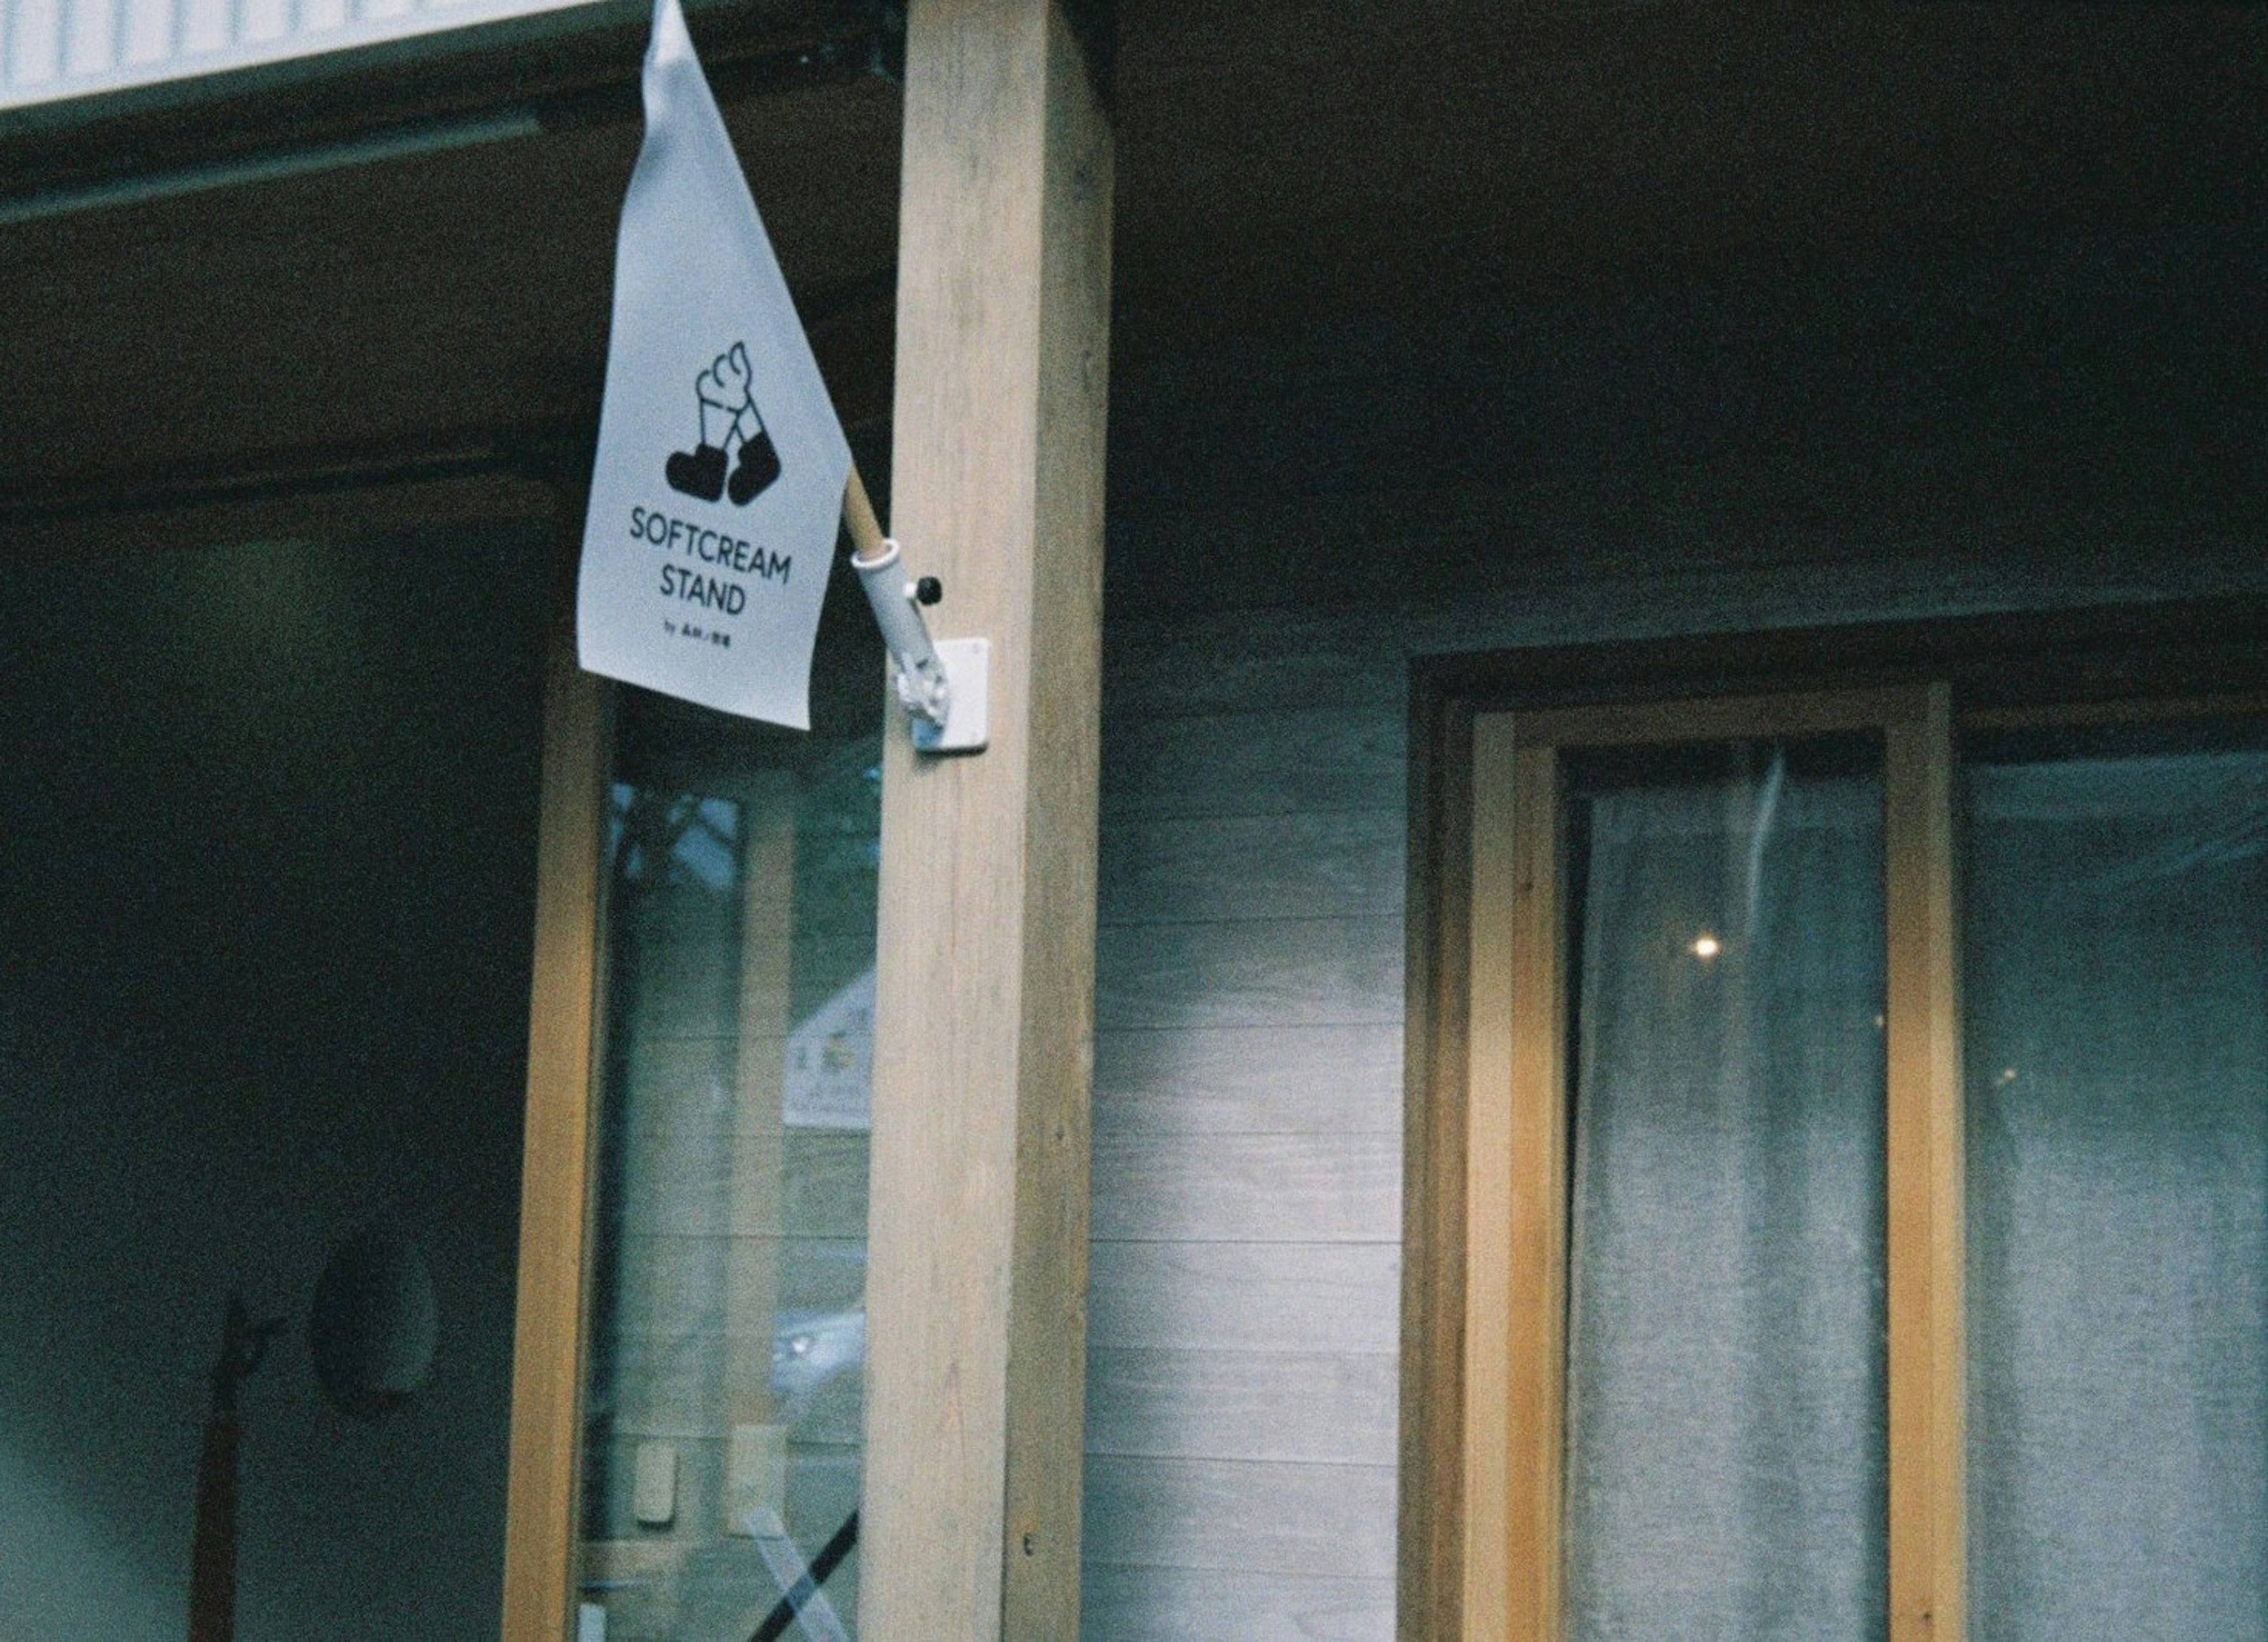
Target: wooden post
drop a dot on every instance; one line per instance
(1493, 1354)
(977, 1276)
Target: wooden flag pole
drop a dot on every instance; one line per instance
(943, 687)
(858, 514)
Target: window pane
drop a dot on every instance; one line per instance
(727, 1333)
(2116, 977)
(1726, 1472)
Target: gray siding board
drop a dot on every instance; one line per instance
(1171, 690)
(1265, 1297)
(1348, 864)
(1333, 1521)
(1205, 1605)
(1231, 663)
(1245, 1268)
(1295, 761)
(1157, 1081)
(1319, 1407)
(1291, 1188)
(1813, 586)
(1276, 972)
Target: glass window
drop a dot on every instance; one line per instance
(2117, 981)
(726, 1323)
(1725, 1376)
(1886, 1121)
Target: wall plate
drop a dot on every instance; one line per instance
(967, 673)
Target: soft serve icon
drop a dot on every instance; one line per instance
(730, 428)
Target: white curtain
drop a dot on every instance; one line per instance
(2116, 974)
(1726, 1471)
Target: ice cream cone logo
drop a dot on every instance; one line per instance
(732, 436)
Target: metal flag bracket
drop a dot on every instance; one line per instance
(943, 686)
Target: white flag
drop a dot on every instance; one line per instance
(720, 470)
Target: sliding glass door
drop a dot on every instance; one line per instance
(1825, 1301)
(723, 1339)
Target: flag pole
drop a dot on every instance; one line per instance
(858, 513)
(942, 686)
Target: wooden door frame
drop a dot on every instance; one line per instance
(543, 1463)
(1516, 1154)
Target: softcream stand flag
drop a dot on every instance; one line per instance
(721, 468)
(721, 465)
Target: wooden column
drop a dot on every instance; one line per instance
(977, 1278)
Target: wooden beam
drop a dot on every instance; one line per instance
(554, 1176)
(976, 1285)
(1515, 1257)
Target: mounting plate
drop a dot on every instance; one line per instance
(968, 668)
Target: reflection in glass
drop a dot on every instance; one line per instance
(727, 1323)
(2116, 970)
(1726, 1461)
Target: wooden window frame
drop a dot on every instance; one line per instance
(543, 1466)
(1514, 1457)
(1481, 1536)
(547, 1557)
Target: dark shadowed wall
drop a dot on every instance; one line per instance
(267, 822)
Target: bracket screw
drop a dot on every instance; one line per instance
(928, 590)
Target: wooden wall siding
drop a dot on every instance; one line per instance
(1305, 759)
(1170, 1602)
(1244, 1297)
(1229, 1404)
(1260, 972)
(1201, 1079)
(1246, 1207)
